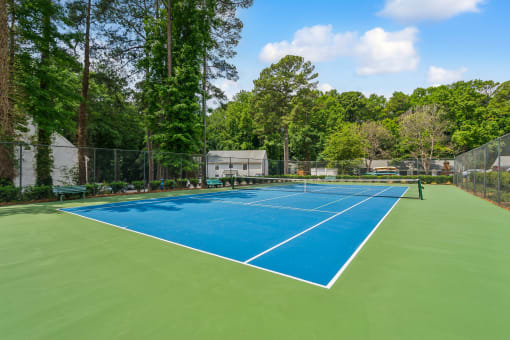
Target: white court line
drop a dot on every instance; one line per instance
(312, 227)
(273, 198)
(198, 250)
(145, 201)
(338, 200)
(264, 205)
(341, 270)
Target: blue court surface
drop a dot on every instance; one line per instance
(307, 236)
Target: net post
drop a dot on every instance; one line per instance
(420, 189)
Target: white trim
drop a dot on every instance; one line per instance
(312, 227)
(353, 255)
(338, 200)
(196, 249)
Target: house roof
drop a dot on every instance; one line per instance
(237, 154)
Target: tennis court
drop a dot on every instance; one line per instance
(309, 231)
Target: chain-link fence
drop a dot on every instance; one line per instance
(141, 169)
(485, 171)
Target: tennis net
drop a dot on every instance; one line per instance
(399, 188)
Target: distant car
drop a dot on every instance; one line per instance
(384, 171)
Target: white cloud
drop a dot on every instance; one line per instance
(418, 10)
(229, 87)
(325, 87)
(379, 51)
(438, 76)
(316, 43)
(376, 51)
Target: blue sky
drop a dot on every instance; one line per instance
(378, 46)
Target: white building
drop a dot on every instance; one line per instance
(237, 163)
(64, 154)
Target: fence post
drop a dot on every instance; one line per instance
(485, 172)
(248, 167)
(180, 171)
(499, 170)
(115, 175)
(20, 169)
(144, 174)
(94, 170)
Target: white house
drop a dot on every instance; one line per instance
(237, 163)
(64, 153)
(503, 161)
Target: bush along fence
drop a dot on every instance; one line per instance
(9, 193)
(485, 171)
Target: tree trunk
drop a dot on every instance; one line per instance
(43, 156)
(82, 115)
(169, 37)
(204, 113)
(6, 121)
(286, 151)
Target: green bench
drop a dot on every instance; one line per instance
(214, 183)
(74, 189)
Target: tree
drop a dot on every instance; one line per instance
(423, 132)
(344, 147)
(377, 141)
(274, 91)
(355, 106)
(307, 127)
(6, 121)
(45, 76)
(397, 105)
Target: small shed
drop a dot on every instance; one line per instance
(226, 163)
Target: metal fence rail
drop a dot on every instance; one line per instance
(485, 171)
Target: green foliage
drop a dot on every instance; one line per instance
(93, 188)
(34, 193)
(193, 181)
(118, 186)
(170, 184)
(182, 183)
(155, 185)
(139, 185)
(8, 193)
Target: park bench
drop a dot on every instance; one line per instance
(74, 189)
(214, 183)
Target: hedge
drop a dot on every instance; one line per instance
(8, 193)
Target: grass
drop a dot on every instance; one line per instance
(436, 269)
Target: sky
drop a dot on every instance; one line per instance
(377, 46)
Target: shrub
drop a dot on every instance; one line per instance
(224, 180)
(169, 184)
(8, 193)
(139, 185)
(194, 181)
(32, 193)
(92, 188)
(117, 186)
(155, 185)
(182, 182)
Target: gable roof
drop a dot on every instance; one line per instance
(237, 154)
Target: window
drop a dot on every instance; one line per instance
(245, 166)
(217, 167)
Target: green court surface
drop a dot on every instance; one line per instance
(435, 269)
